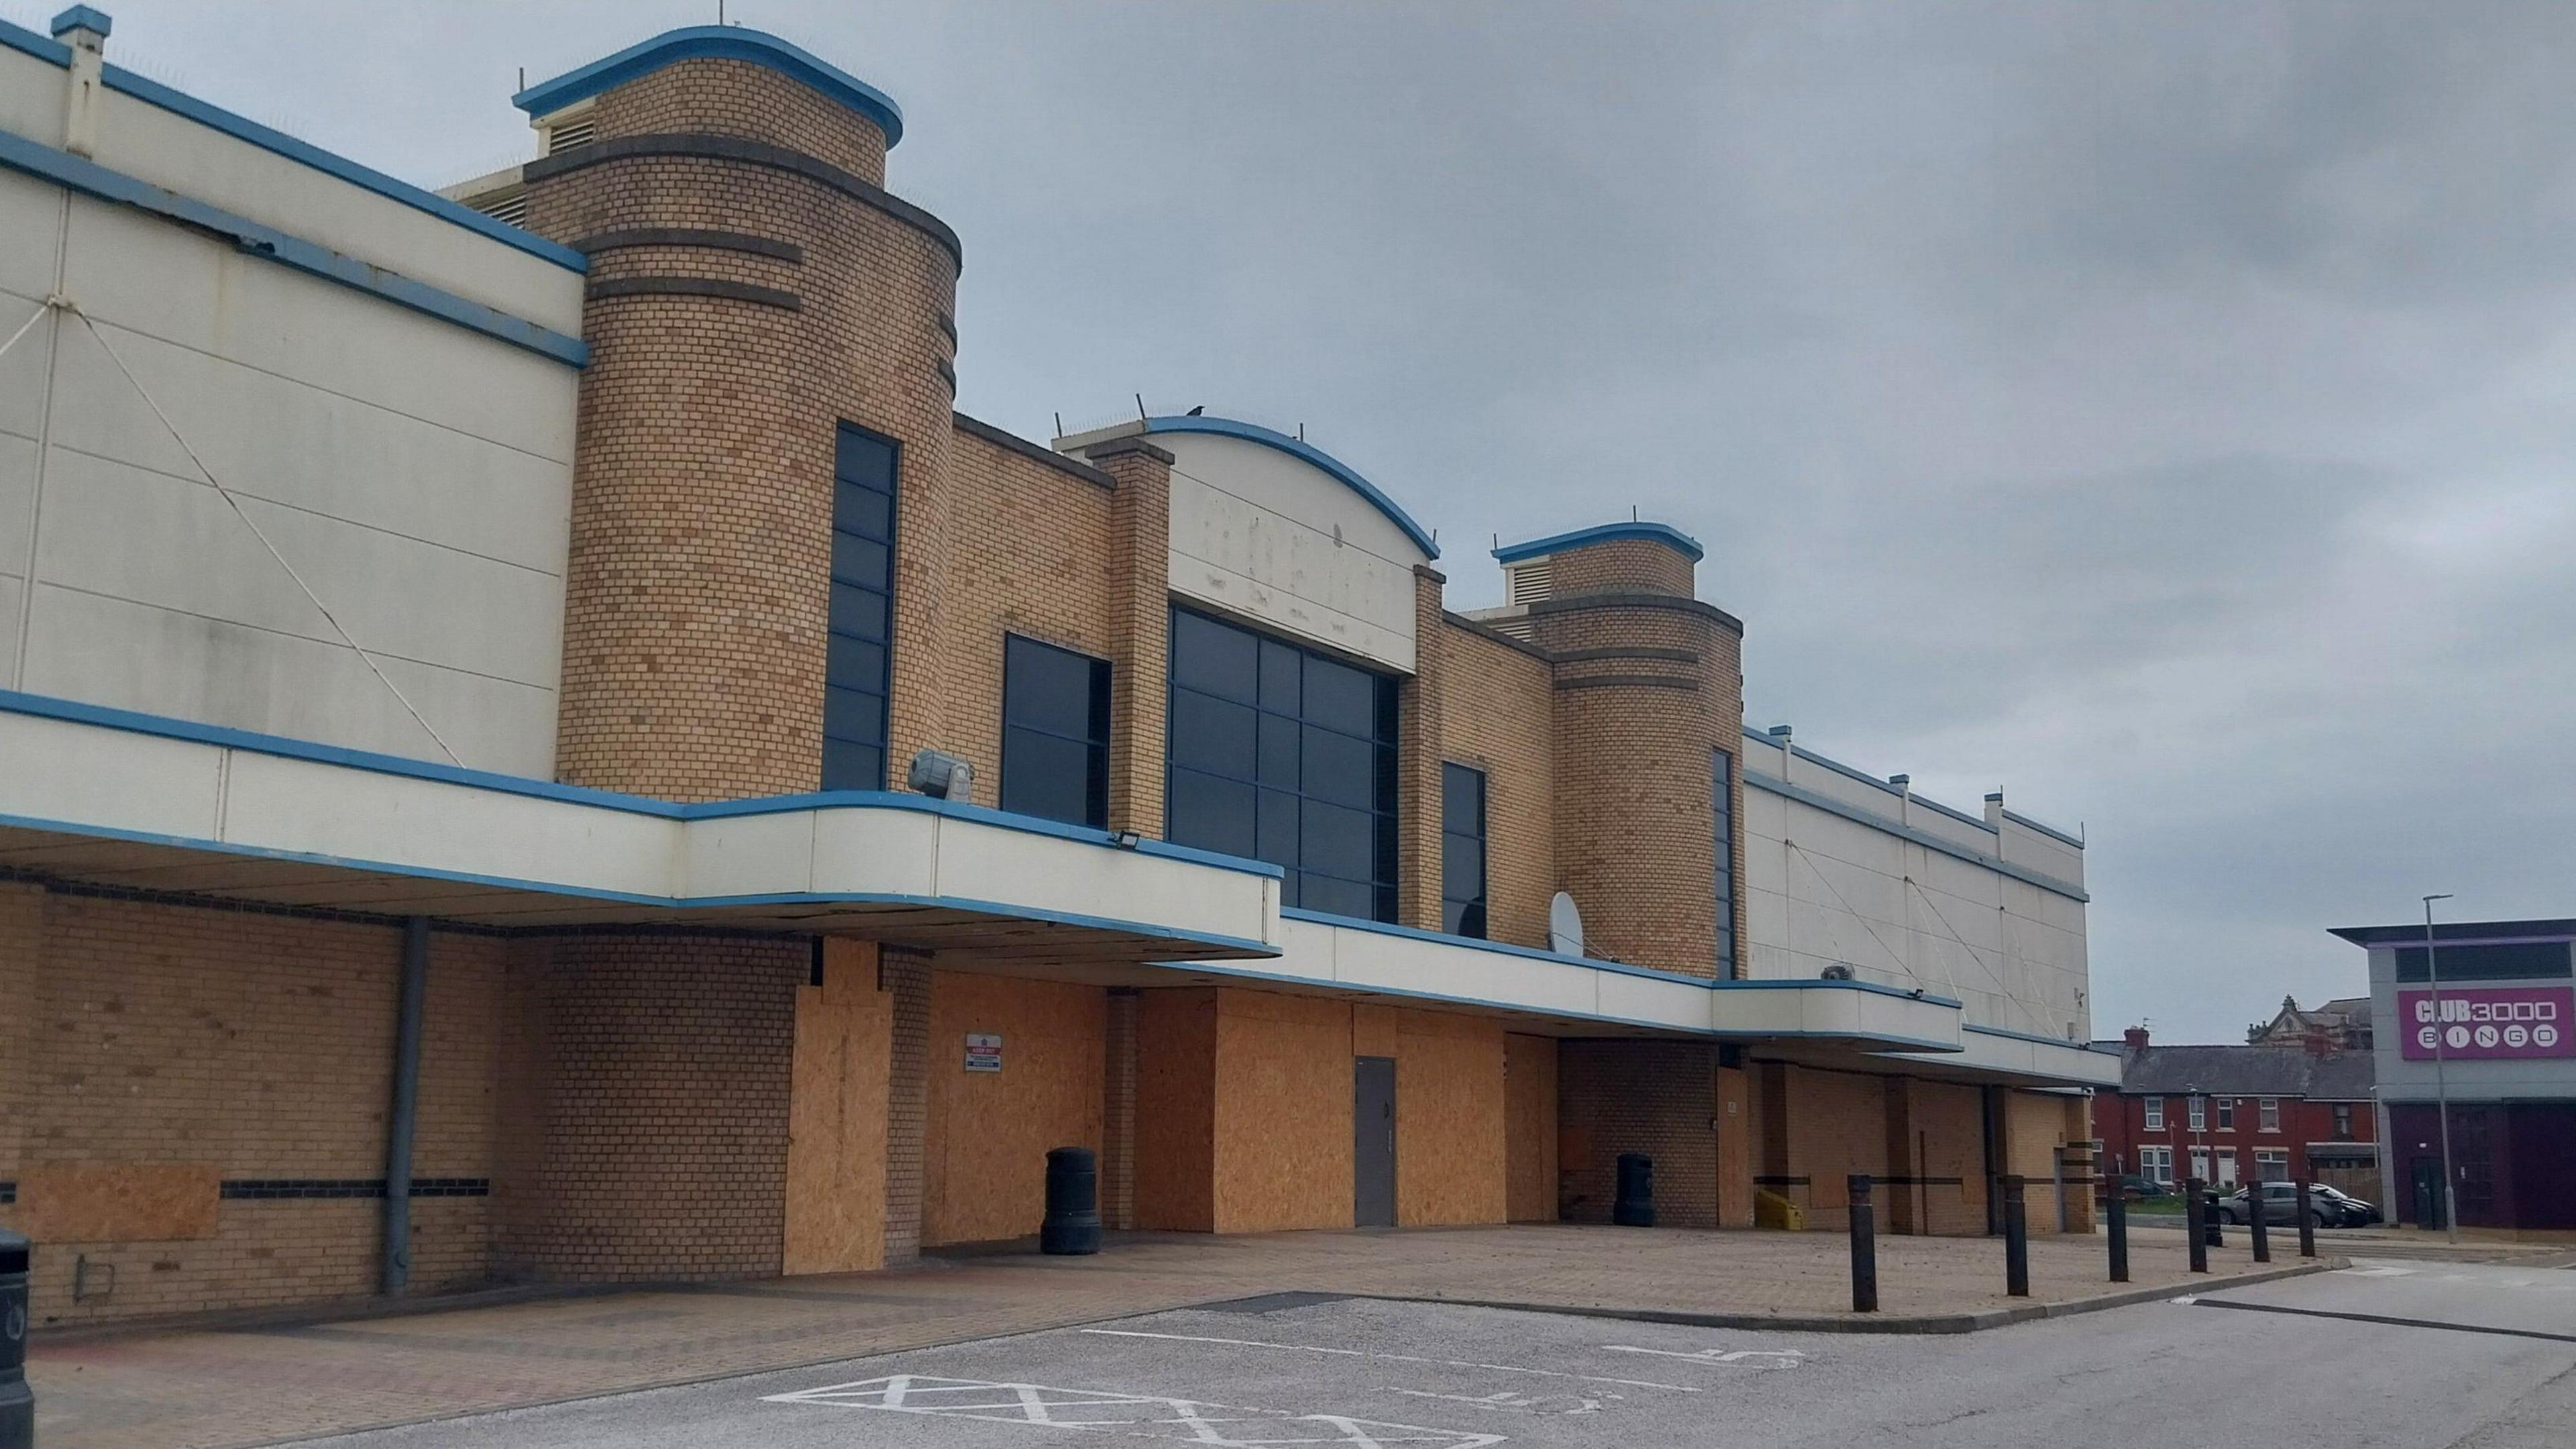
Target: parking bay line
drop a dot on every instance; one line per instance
(1504, 1368)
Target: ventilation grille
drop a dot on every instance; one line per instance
(1529, 582)
(510, 210)
(568, 135)
(1517, 626)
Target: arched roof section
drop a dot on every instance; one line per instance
(1306, 452)
(1663, 533)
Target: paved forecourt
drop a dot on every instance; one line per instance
(1313, 1369)
(254, 1384)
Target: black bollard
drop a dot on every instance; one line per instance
(1072, 1223)
(2016, 1240)
(1635, 1205)
(1864, 1246)
(2195, 1206)
(2258, 1206)
(2117, 1211)
(2212, 1226)
(17, 1401)
(2307, 1223)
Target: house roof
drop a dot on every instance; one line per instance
(2246, 1071)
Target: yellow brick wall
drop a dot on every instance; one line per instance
(248, 1046)
(1620, 566)
(1497, 719)
(1654, 1097)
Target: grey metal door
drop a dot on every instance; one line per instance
(1373, 1142)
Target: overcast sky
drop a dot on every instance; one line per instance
(2160, 413)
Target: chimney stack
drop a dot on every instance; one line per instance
(2136, 1037)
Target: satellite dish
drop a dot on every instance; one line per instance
(1564, 926)
(1839, 971)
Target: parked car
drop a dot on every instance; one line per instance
(2139, 1189)
(2327, 1207)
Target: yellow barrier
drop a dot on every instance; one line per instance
(1771, 1210)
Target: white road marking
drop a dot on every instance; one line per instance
(1500, 1368)
(1143, 1416)
(1516, 1403)
(1789, 1357)
(2380, 1272)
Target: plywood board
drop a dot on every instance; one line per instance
(1283, 1124)
(836, 1116)
(96, 1202)
(988, 1132)
(1449, 1120)
(1529, 1076)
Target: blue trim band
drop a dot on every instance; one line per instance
(312, 259)
(2073, 1046)
(1705, 983)
(47, 707)
(1307, 452)
(718, 42)
(19, 38)
(1929, 841)
(82, 17)
(144, 88)
(1663, 533)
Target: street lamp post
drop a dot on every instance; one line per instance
(2441, 1081)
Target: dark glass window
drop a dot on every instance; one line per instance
(1284, 755)
(2512, 961)
(1722, 777)
(1055, 733)
(862, 612)
(1462, 851)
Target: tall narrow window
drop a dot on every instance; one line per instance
(1055, 733)
(1722, 776)
(2270, 1118)
(1287, 756)
(2227, 1114)
(2155, 1114)
(2199, 1114)
(1462, 851)
(862, 612)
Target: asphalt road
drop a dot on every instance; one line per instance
(2469, 1361)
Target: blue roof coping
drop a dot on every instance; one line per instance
(82, 17)
(1663, 533)
(20, 38)
(1299, 448)
(718, 42)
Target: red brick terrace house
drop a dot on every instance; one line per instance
(2230, 1113)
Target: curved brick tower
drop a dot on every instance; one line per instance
(1648, 685)
(752, 288)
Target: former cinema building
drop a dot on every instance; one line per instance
(480, 670)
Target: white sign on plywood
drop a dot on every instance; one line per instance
(983, 1051)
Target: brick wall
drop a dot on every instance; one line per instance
(1030, 566)
(1497, 719)
(1421, 732)
(667, 1070)
(1655, 1097)
(171, 1057)
(698, 580)
(1621, 566)
(1138, 563)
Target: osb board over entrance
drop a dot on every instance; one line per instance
(988, 1132)
(1449, 1113)
(1176, 1110)
(1283, 1115)
(118, 1203)
(1529, 1080)
(836, 1116)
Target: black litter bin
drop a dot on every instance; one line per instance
(1072, 1224)
(17, 1402)
(1635, 1205)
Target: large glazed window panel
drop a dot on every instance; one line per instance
(1282, 754)
(1462, 851)
(856, 666)
(1055, 733)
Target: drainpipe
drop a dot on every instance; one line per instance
(406, 1106)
